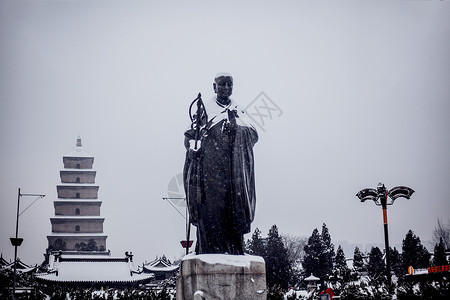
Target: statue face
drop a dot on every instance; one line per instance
(223, 88)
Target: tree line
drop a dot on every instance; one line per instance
(289, 260)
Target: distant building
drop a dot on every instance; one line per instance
(21, 266)
(93, 271)
(77, 224)
(161, 267)
(3, 262)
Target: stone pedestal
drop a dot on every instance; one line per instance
(222, 276)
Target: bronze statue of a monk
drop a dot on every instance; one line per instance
(219, 177)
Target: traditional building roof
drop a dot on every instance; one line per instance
(20, 265)
(3, 262)
(78, 151)
(93, 270)
(161, 268)
(312, 278)
(160, 265)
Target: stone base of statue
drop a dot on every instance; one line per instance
(222, 276)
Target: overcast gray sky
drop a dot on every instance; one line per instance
(362, 89)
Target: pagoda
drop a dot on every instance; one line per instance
(76, 254)
(77, 224)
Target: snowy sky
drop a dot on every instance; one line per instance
(361, 89)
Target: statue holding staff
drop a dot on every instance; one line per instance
(218, 174)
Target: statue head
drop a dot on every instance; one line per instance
(223, 87)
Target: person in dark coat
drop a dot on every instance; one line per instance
(219, 178)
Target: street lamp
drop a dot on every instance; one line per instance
(16, 241)
(379, 197)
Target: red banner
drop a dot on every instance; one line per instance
(439, 269)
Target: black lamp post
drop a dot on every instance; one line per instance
(16, 241)
(379, 197)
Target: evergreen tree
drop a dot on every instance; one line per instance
(327, 256)
(319, 254)
(396, 263)
(278, 268)
(376, 267)
(313, 249)
(256, 246)
(358, 262)
(439, 257)
(414, 253)
(341, 272)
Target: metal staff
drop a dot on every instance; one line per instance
(196, 119)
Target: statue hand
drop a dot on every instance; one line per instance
(232, 115)
(192, 145)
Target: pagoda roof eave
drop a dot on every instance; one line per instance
(57, 234)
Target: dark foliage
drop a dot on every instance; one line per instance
(439, 257)
(341, 273)
(256, 245)
(414, 253)
(278, 267)
(376, 269)
(358, 262)
(279, 270)
(396, 263)
(319, 254)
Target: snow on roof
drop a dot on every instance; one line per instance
(78, 185)
(20, 265)
(98, 270)
(78, 217)
(29, 270)
(312, 278)
(78, 151)
(77, 170)
(90, 255)
(78, 234)
(299, 293)
(77, 200)
(161, 269)
(160, 265)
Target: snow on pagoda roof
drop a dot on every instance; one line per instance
(78, 234)
(87, 270)
(78, 151)
(77, 200)
(78, 217)
(77, 185)
(77, 170)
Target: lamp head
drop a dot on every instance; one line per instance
(367, 194)
(400, 191)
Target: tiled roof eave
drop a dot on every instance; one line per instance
(141, 280)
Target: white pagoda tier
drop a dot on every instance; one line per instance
(77, 224)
